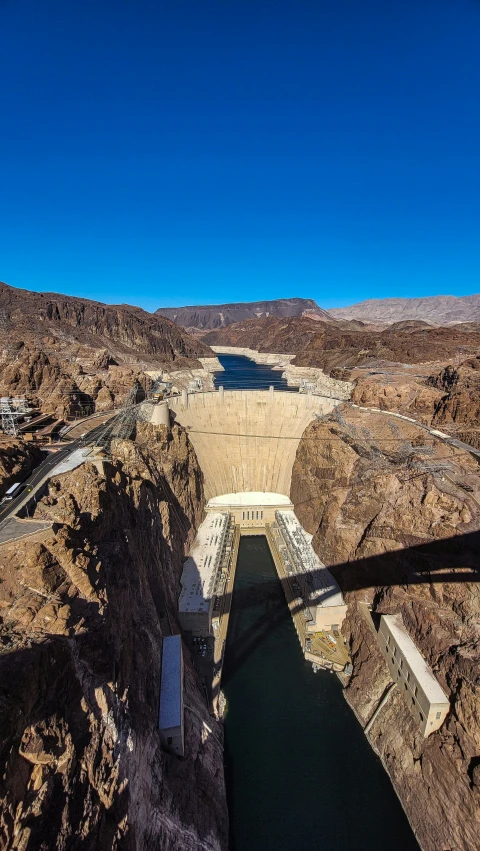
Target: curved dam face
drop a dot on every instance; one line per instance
(246, 440)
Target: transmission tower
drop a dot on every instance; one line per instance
(9, 416)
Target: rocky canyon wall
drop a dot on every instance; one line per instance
(83, 610)
(396, 515)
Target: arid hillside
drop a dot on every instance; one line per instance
(396, 514)
(438, 310)
(63, 351)
(123, 330)
(347, 346)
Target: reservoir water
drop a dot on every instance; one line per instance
(300, 774)
(244, 374)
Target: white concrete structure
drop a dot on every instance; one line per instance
(250, 510)
(423, 694)
(201, 573)
(161, 414)
(318, 587)
(246, 440)
(171, 711)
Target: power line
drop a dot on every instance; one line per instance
(301, 437)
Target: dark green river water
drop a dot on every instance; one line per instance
(300, 773)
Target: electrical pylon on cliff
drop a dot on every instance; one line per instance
(9, 417)
(123, 423)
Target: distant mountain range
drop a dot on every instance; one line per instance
(437, 310)
(213, 316)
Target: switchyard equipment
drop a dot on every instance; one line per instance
(121, 426)
(11, 411)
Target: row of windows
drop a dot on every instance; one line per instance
(406, 675)
(401, 671)
(248, 513)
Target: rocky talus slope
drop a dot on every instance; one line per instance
(82, 615)
(396, 514)
(448, 399)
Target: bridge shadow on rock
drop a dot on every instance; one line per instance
(451, 560)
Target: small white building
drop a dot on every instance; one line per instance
(170, 720)
(202, 574)
(415, 679)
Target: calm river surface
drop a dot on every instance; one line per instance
(244, 374)
(300, 773)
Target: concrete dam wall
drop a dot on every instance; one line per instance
(246, 440)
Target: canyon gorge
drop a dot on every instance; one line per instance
(86, 600)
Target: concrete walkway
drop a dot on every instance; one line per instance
(15, 529)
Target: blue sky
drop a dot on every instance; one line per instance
(164, 152)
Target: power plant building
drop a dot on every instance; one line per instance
(202, 572)
(318, 587)
(415, 679)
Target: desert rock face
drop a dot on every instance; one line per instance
(74, 355)
(17, 460)
(347, 345)
(220, 315)
(397, 516)
(410, 396)
(121, 329)
(82, 615)
(448, 398)
(440, 310)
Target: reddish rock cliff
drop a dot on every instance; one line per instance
(82, 614)
(397, 516)
(71, 354)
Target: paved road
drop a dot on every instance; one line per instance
(44, 470)
(12, 529)
(76, 430)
